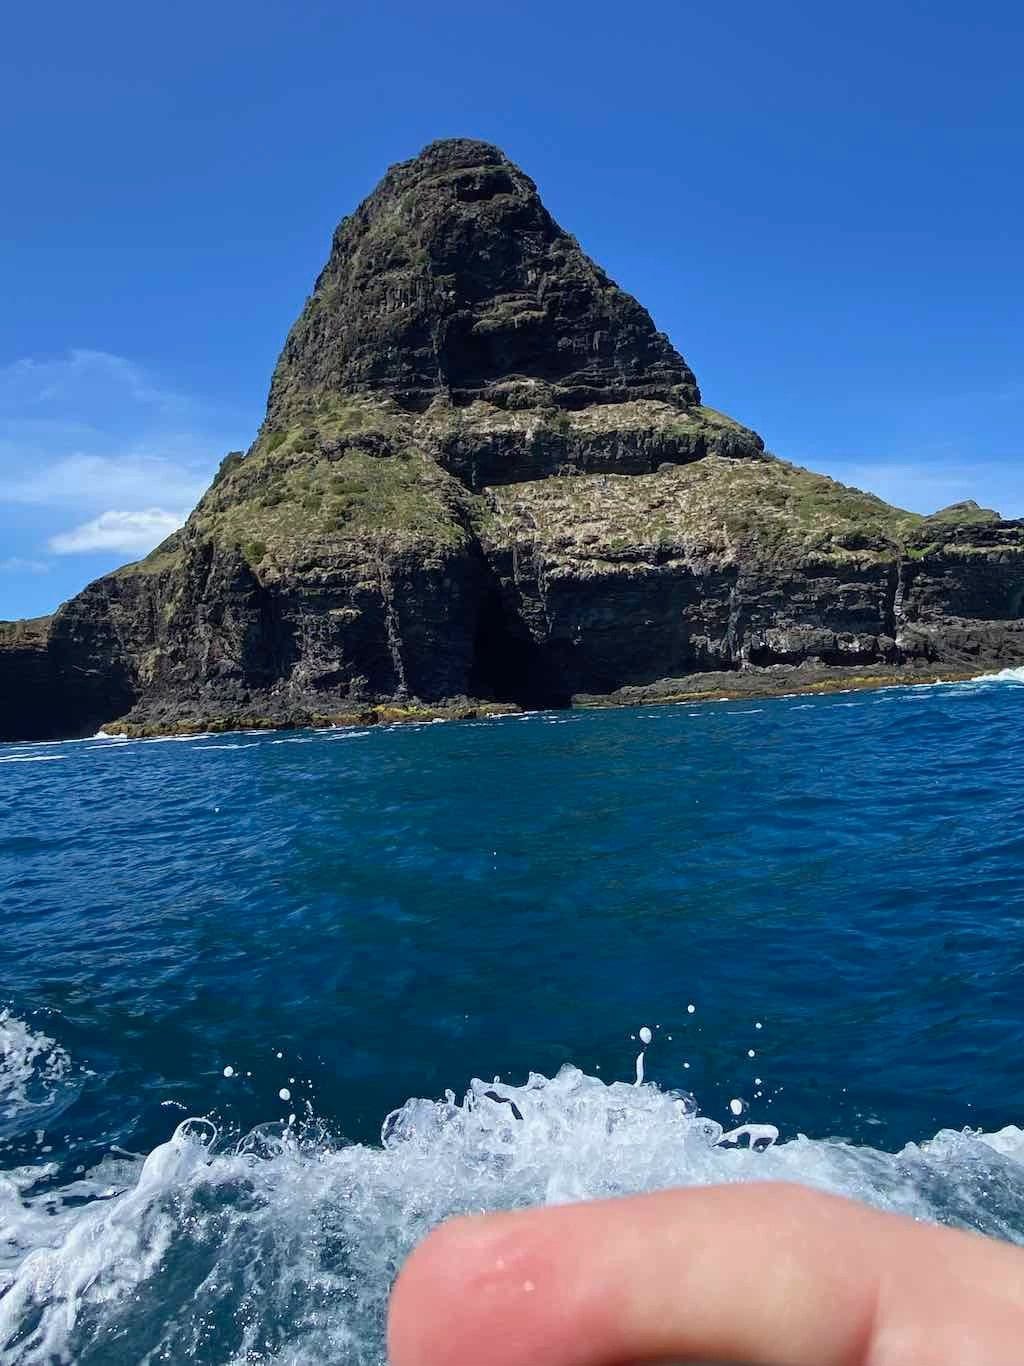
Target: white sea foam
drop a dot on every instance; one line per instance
(47, 744)
(1003, 676)
(34, 1074)
(31, 758)
(283, 1247)
(178, 739)
(236, 744)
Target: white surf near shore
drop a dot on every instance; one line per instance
(1003, 676)
(23, 751)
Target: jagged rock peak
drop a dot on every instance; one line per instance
(452, 279)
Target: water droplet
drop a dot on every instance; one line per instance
(229, 1071)
(645, 1035)
(284, 1093)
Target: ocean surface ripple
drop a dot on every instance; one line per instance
(613, 951)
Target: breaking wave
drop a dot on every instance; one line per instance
(281, 1248)
(1003, 676)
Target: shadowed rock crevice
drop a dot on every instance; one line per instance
(508, 664)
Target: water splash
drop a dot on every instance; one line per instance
(1003, 676)
(283, 1248)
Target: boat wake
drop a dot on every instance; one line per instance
(282, 1248)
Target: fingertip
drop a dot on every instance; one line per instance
(636, 1279)
(497, 1288)
(419, 1313)
(448, 1289)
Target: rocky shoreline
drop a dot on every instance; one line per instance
(780, 681)
(752, 684)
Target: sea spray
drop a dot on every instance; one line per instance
(283, 1247)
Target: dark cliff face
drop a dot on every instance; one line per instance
(453, 279)
(484, 474)
(63, 676)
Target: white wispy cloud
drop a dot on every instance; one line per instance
(93, 430)
(130, 480)
(100, 457)
(130, 533)
(82, 374)
(100, 461)
(17, 564)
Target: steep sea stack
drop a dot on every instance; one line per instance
(485, 477)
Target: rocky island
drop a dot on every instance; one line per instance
(485, 479)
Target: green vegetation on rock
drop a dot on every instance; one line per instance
(30, 632)
(964, 514)
(164, 559)
(344, 474)
(710, 506)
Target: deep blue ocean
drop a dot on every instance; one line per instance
(265, 999)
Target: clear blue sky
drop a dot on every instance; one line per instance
(821, 204)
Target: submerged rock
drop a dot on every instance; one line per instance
(485, 477)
